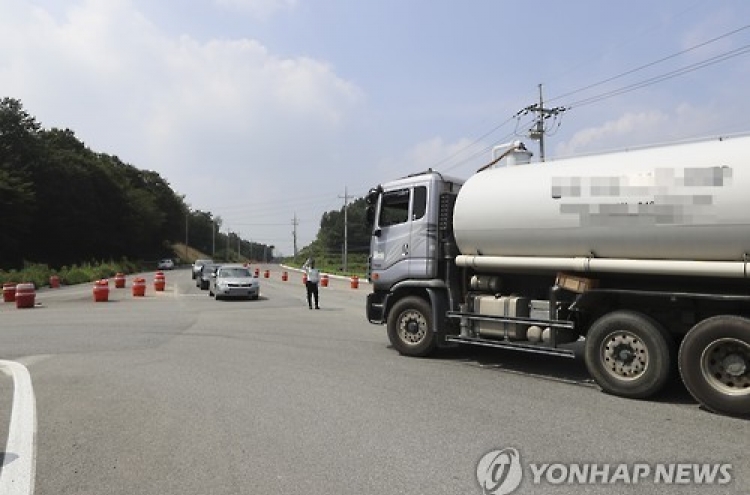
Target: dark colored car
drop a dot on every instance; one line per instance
(203, 281)
(197, 265)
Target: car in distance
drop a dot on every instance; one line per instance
(234, 281)
(197, 267)
(203, 281)
(165, 264)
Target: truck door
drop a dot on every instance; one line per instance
(390, 241)
(400, 248)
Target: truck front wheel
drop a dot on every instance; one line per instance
(714, 364)
(410, 327)
(628, 354)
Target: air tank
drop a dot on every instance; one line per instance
(679, 202)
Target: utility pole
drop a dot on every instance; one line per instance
(346, 230)
(295, 222)
(539, 130)
(213, 238)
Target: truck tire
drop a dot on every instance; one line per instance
(410, 327)
(629, 354)
(714, 364)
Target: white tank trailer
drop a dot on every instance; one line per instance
(636, 259)
(688, 202)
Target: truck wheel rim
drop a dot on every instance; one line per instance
(725, 365)
(412, 327)
(624, 355)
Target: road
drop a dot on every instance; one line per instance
(175, 393)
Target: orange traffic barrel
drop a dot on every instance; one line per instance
(119, 280)
(284, 276)
(139, 287)
(257, 272)
(101, 290)
(324, 280)
(25, 295)
(54, 282)
(267, 273)
(355, 281)
(9, 291)
(160, 281)
(304, 278)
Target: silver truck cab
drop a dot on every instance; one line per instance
(405, 247)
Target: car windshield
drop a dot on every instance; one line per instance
(235, 273)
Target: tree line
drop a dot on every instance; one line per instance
(328, 246)
(62, 203)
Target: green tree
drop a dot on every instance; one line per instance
(19, 149)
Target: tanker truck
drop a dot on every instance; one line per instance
(637, 260)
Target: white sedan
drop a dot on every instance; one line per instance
(234, 281)
(165, 264)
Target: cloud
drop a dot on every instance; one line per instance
(224, 114)
(261, 9)
(464, 155)
(630, 126)
(685, 121)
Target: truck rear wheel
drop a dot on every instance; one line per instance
(410, 327)
(714, 364)
(629, 354)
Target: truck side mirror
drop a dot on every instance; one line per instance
(371, 200)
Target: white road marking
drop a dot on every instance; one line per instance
(19, 461)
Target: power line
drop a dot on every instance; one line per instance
(473, 143)
(651, 64)
(634, 36)
(663, 77)
(545, 113)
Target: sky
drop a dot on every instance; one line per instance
(267, 112)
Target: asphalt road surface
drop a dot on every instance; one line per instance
(175, 393)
